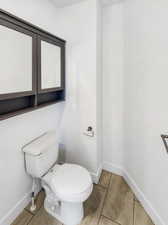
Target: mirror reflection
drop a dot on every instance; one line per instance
(50, 65)
(16, 61)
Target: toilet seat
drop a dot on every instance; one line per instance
(70, 182)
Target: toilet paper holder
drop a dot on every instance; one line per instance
(89, 132)
(165, 141)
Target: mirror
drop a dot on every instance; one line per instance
(16, 61)
(50, 65)
(32, 67)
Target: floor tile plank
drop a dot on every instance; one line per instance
(119, 202)
(105, 221)
(111, 203)
(93, 206)
(39, 200)
(23, 219)
(140, 216)
(43, 218)
(105, 179)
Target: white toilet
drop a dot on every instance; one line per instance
(67, 186)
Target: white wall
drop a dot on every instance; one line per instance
(71, 118)
(40, 13)
(78, 25)
(146, 109)
(99, 78)
(113, 40)
(135, 68)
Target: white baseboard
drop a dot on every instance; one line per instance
(113, 168)
(15, 211)
(96, 176)
(144, 201)
(139, 194)
(18, 208)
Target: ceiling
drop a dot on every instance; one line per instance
(63, 3)
(109, 2)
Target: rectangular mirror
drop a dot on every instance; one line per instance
(32, 67)
(50, 65)
(16, 57)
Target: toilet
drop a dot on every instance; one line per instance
(66, 186)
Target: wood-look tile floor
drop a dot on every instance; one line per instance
(112, 202)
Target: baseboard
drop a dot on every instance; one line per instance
(18, 208)
(15, 211)
(144, 201)
(139, 194)
(113, 168)
(96, 176)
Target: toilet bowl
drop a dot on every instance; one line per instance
(67, 186)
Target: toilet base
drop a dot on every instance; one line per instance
(68, 213)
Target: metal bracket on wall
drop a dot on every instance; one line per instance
(165, 141)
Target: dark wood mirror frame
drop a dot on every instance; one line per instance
(34, 61)
(13, 104)
(62, 47)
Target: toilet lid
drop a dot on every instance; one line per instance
(70, 179)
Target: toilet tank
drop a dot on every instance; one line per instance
(41, 154)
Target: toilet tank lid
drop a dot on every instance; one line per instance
(41, 144)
